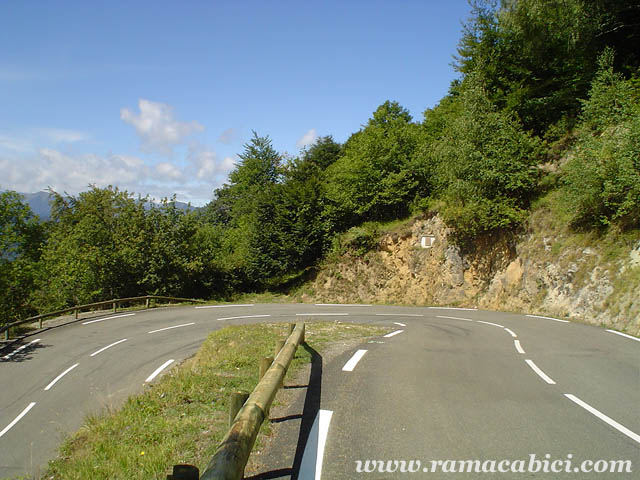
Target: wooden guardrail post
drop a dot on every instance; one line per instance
(76, 312)
(147, 302)
(115, 307)
(184, 472)
(265, 363)
(236, 402)
(279, 345)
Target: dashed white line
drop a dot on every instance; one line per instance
(19, 349)
(548, 318)
(454, 308)
(455, 318)
(341, 305)
(540, 373)
(353, 361)
(399, 315)
(399, 324)
(511, 332)
(321, 314)
(624, 335)
(170, 328)
(243, 316)
(17, 419)
(604, 418)
(55, 380)
(157, 371)
(518, 346)
(311, 465)
(108, 318)
(389, 335)
(225, 306)
(108, 346)
(489, 323)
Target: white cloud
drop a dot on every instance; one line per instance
(307, 139)
(59, 135)
(166, 170)
(206, 166)
(157, 127)
(32, 139)
(227, 136)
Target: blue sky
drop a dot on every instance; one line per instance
(158, 97)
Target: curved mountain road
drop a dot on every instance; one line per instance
(451, 384)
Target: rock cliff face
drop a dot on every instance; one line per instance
(528, 272)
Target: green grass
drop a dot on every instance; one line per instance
(183, 417)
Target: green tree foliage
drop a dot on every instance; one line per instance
(538, 57)
(375, 179)
(485, 165)
(602, 178)
(21, 236)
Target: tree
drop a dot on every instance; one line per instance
(21, 236)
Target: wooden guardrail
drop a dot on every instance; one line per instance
(231, 457)
(78, 308)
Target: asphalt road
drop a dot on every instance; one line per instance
(448, 386)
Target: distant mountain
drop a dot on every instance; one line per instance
(39, 204)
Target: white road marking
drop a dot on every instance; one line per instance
(169, 328)
(513, 334)
(225, 306)
(19, 349)
(389, 335)
(540, 373)
(455, 318)
(108, 346)
(603, 417)
(17, 419)
(108, 318)
(399, 324)
(489, 323)
(321, 314)
(624, 335)
(351, 364)
(454, 308)
(549, 318)
(311, 465)
(243, 316)
(399, 315)
(518, 346)
(157, 371)
(54, 381)
(341, 305)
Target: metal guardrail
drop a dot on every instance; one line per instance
(77, 308)
(231, 457)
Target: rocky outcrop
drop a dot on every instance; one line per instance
(532, 272)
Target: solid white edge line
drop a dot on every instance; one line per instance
(399, 315)
(549, 318)
(389, 335)
(17, 419)
(455, 318)
(243, 316)
(353, 361)
(399, 324)
(311, 464)
(489, 323)
(225, 306)
(157, 371)
(19, 349)
(511, 332)
(321, 314)
(53, 382)
(108, 346)
(341, 305)
(624, 335)
(169, 328)
(518, 346)
(540, 373)
(108, 318)
(604, 418)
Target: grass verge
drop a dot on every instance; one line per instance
(183, 417)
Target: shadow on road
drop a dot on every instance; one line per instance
(309, 413)
(20, 352)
